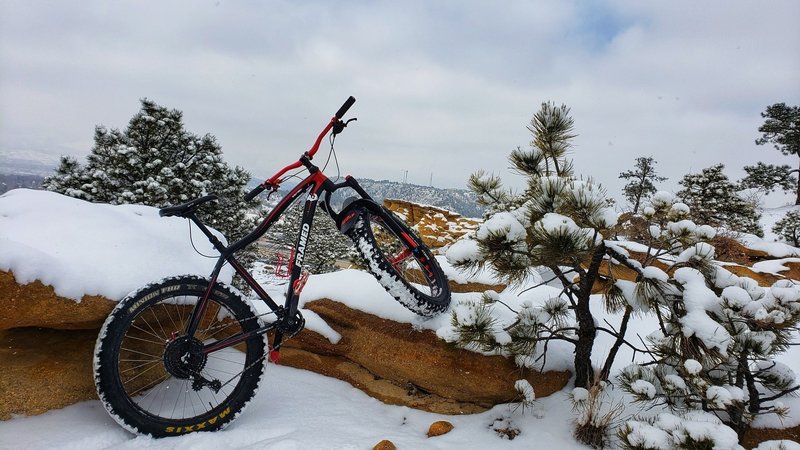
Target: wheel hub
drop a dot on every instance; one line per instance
(184, 357)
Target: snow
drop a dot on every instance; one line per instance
(662, 198)
(693, 367)
(319, 412)
(654, 273)
(462, 251)
(778, 445)
(580, 394)
(526, 391)
(775, 249)
(699, 251)
(698, 299)
(502, 223)
(774, 265)
(296, 409)
(81, 248)
(645, 388)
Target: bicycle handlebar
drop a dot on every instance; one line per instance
(347, 104)
(252, 194)
(274, 181)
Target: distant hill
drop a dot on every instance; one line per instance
(460, 201)
(13, 181)
(27, 163)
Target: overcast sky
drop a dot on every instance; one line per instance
(443, 88)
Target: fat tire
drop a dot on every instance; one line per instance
(395, 283)
(107, 377)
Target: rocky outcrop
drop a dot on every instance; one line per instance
(47, 368)
(436, 227)
(37, 305)
(398, 364)
(43, 369)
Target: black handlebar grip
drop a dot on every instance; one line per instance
(252, 194)
(347, 104)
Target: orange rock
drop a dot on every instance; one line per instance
(439, 428)
(44, 369)
(401, 365)
(37, 305)
(384, 445)
(436, 227)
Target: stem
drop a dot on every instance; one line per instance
(623, 327)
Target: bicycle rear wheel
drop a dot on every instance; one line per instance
(155, 380)
(401, 262)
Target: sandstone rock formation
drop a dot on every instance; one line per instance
(439, 428)
(46, 368)
(399, 365)
(436, 226)
(37, 305)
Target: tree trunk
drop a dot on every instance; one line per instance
(584, 374)
(797, 199)
(612, 354)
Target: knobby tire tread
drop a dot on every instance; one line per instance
(377, 264)
(107, 353)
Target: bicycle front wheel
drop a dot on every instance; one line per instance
(153, 379)
(401, 262)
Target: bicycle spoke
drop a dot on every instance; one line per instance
(159, 375)
(136, 367)
(143, 340)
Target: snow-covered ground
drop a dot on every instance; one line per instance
(297, 409)
(294, 409)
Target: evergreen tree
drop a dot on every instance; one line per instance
(766, 178)
(155, 162)
(782, 129)
(713, 200)
(717, 333)
(326, 244)
(641, 184)
(716, 349)
(789, 228)
(556, 223)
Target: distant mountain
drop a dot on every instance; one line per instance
(27, 163)
(460, 201)
(9, 182)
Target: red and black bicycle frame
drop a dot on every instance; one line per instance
(317, 188)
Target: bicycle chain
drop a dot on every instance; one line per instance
(260, 358)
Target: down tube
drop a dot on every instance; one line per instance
(309, 209)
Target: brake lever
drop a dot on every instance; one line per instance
(273, 188)
(339, 126)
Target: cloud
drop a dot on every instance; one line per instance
(443, 88)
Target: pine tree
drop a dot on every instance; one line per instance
(641, 184)
(789, 228)
(155, 162)
(717, 333)
(766, 178)
(713, 200)
(557, 223)
(718, 342)
(782, 129)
